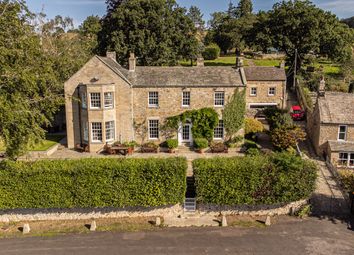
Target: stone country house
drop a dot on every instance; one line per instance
(331, 127)
(104, 100)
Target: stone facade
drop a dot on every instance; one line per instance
(268, 93)
(325, 122)
(84, 82)
(130, 88)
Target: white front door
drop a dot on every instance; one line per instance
(185, 133)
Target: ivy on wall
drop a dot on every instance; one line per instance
(204, 121)
(234, 113)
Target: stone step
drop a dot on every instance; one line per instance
(190, 205)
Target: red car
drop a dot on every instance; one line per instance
(297, 113)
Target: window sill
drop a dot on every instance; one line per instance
(219, 106)
(96, 142)
(153, 106)
(253, 95)
(271, 95)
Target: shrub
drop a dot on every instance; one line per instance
(131, 144)
(347, 178)
(200, 143)
(234, 141)
(272, 179)
(211, 52)
(253, 126)
(253, 152)
(278, 118)
(172, 143)
(91, 183)
(283, 139)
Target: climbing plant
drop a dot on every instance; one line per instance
(234, 113)
(203, 122)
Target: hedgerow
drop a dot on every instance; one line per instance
(92, 183)
(256, 179)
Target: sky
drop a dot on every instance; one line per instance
(80, 9)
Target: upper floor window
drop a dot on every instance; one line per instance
(96, 131)
(253, 92)
(108, 100)
(84, 100)
(219, 99)
(153, 99)
(109, 125)
(219, 130)
(153, 129)
(342, 133)
(95, 100)
(271, 91)
(186, 98)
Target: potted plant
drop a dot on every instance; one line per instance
(172, 145)
(200, 144)
(149, 147)
(131, 146)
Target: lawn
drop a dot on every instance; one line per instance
(329, 68)
(231, 61)
(50, 141)
(267, 62)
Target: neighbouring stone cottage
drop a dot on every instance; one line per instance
(105, 101)
(331, 127)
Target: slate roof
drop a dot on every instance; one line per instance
(264, 73)
(337, 108)
(341, 146)
(206, 76)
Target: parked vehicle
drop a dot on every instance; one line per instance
(297, 113)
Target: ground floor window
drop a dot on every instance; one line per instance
(346, 159)
(153, 129)
(110, 131)
(219, 130)
(96, 131)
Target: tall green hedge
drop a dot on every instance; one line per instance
(277, 178)
(92, 183)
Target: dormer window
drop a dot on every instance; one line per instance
(95, 100)
(108, 100)
(342, 133)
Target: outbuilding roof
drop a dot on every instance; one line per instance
(264, 73)
(336, 108)
(337, 146)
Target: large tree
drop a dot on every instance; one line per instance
(244, 8)
(196, 16)
(301, 25)
(159, 32)
(29, 87)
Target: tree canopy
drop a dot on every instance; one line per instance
(159, 32)
(29, 86)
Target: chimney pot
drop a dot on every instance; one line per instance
(112, 55)
(322, 87)
(200, 61)
(282, 64)
(132, 62)
(239, 62)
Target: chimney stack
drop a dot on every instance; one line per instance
(132, 62)
(112, 55)
(200, 61)
(322, 88)
(282, 64)
(239, 62)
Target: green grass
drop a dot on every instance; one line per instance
(329, 67)
(266, 62)
(50, 141)
(231, 61)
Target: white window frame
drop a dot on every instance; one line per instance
(84, 100)
(275, 91)
(345, 133)
(86, 132)
(186, 98)
(150, 121)
(346, 161)
(251, 91)
(216, 100)
(110, 130)
(218, 128)
(152, 96)
(95, 100)
(95, 127)
(108, 102)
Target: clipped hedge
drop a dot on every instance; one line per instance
(92, 183)
(211, 52)
(251, 180)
